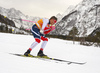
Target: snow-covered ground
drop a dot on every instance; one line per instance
(56, 48)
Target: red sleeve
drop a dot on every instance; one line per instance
(47, 30)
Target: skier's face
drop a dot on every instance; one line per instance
(52, 21)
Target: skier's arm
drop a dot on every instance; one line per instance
(45, 22)
(48, 29)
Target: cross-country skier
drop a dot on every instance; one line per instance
(42, 27)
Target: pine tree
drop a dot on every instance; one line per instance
(73, 32)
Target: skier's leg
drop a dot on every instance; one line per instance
(34, 44)
(45, 40)
(36, 34)
(37, 41)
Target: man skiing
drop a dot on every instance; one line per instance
(42, 27)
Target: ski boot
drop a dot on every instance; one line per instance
(27, 53)
(41, 55)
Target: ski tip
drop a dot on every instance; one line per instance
(76, 63)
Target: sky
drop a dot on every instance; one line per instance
(39, 8)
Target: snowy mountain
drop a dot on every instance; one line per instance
(59, 17)
(18, 44)
(70, 8)
(6, 21)
(16, 15)
(85, 17)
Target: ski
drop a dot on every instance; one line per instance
(48, 58)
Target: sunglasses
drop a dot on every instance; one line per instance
(55, 21)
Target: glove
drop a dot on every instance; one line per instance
(42, 31)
